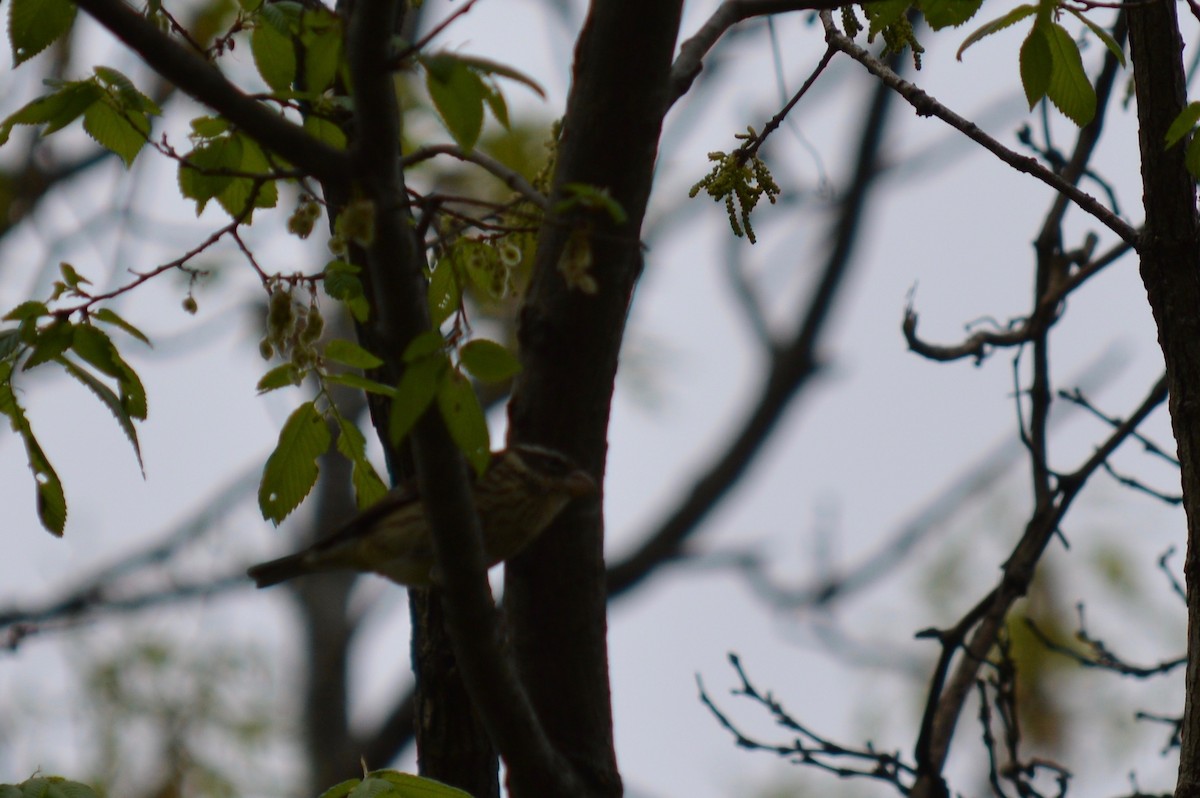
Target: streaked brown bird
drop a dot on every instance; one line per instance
(523, 490)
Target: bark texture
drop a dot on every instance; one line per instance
(1169, 249)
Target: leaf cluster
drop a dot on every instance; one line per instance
(41, 336)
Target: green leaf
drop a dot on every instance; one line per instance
(488, 67)
(209, 127)
(111, 401)
(418, 385)
(883, 13)
(996, 25)
(235, 198)
(948, 13)
(1183, 124)
(97, 349)
(284, 376)
(423, 345)
(52, 340)
(274, 55)
(10, 340)
(30, 309)
(592, 197)
(1101, 34)
(495, 101)
(291, 470)
(351, 354)
(1069, 89)
(458, 95)
(56, 110)
(121, 130)
(51, 502)
(110, 317)
(127, 96)
(465, 420)
(72, 277)
(445, 297)
(352, 380)
(322, 54)
(341, 789)
(411, 786)
(1191, 158)
(199, 173)
(488, 361)
(326, 131)
(368, 487)
(33, 25)
(1036, 65)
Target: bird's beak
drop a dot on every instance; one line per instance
(579, 484)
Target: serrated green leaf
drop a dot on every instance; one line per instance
(110, 400)
(1191, 158)
(465, 420)
(235, 198)
(444, 297)
(351, 354)
(374, 788)
(496, 102)
(458, 95)
(326, 131)
(996, 25)
(1036, 65)
(30, 309)
(322, 54)
(208, 127)
(52, 340)
(489, 67)
(352, 380)
(122, 131)
(414, 393)
(110, 317)
(1183, 124)
(291, 470)
(128, 97)
(368, 487)
(883, 13)
(56, 110)
(98, 350)
(418, 786)
(488, 361)
(284, 376)
(423, 345)
(33, 25)
(72, 277)
(1101, 34)
(341, 282)
(948, 13)
(274, 54)
(200, 175)
(1069, 89)
(342, 789)
(51, 502)
(10, 340)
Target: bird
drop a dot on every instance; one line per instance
(523, 490)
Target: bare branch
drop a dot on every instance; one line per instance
(926, 105)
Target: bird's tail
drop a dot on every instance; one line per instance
(276, 571)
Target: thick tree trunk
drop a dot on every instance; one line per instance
(569, 341)
(1170, 252)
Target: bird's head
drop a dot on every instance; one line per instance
(549, 470)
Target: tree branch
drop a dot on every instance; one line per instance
(925, 105)
(203, 81)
